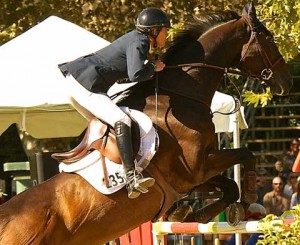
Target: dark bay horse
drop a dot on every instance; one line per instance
(67, 210)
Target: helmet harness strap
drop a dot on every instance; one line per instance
(154, 36)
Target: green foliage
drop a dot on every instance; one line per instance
(111, 19)
(282, 18)
(108, 19)
(276, 231)
(257, 98)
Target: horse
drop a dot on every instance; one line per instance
(66, 209)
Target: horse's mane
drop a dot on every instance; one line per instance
(197, 26)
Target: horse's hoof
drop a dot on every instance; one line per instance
(234, 214)
(181, 214)
(249, 194)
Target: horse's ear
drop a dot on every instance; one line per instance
(250, 12)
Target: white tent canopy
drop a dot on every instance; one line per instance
(31, 84)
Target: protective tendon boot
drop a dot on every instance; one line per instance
(136, 184)
(205, 214)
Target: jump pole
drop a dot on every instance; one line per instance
(160, 229)
(237, 167)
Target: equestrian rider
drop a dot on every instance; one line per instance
(89, 78)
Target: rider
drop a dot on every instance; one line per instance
(89, 78)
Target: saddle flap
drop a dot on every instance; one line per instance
(95, 130)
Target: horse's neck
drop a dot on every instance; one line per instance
(223, 45)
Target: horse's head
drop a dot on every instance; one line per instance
(260, 55)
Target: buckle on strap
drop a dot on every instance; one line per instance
(266, 74)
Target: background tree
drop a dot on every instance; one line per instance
(283, 19)
(110, 19)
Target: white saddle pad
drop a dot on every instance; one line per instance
(90, 167)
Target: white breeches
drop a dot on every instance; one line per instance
(100, 105)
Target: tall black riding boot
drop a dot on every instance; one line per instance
(136, 183)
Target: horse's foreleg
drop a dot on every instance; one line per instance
(221, 160)
(230, 195)
(184, 213)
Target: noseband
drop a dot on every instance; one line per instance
(267, 73)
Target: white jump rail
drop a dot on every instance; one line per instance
(160, 229)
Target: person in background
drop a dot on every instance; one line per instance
(89, 78)
(295, 199)
(290, 186)
(262, 184)
(274, 201)
(255, 212)
(288, 159)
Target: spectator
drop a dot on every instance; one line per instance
(262, 184)
(295, 200)
(290, 186)
(274, 201)
(254, 212)
(288, 159)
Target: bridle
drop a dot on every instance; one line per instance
(267, 73)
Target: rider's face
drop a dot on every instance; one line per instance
(162, 37)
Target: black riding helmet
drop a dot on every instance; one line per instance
(152, 17)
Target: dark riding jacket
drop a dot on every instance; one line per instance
(122, 59)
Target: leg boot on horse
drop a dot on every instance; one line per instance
(230, 190)
(136, 183)
(204, 215)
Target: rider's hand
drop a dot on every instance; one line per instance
(159, 65)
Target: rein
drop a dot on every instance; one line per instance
(203, 65)
(220, 68)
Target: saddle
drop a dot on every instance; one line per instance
(101, 137)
